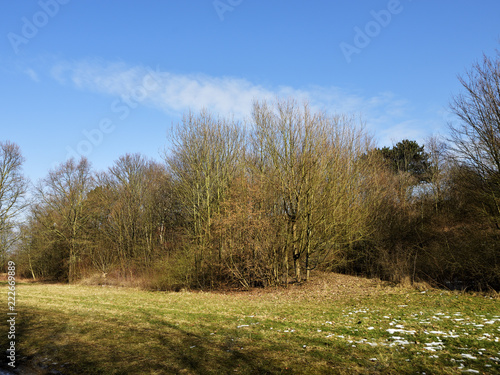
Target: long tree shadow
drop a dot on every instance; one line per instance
(50, 344)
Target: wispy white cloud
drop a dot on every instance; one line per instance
(175, 93)
(32, 74)
(408, 129)
(15, 67)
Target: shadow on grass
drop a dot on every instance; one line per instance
(54, 343)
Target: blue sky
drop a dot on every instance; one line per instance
(103, 78)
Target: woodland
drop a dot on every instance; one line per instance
(267, 201)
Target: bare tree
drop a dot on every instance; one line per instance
(136, 212)
(13, 188)
(313, 163)
(439, 168)
(128, 181)
(61, 197)
(476, 138)
(204, 158)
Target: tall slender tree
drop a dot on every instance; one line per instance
(13, 187)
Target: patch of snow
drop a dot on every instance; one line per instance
(437, 333)
(400, 342)
(392, 331)
(468, 356)
(433, 346)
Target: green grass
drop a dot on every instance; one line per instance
(335, 324)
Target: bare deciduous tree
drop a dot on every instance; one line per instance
(61, 197)
(439, 168)
(204, 158)
(313, 163)
(476, 138)
(133, 214)
(13, 188)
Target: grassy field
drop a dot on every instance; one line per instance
(334, 325)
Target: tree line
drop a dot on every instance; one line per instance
(266, 202)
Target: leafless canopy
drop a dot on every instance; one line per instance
(12, 190)
(477, 137)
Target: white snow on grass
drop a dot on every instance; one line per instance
(400, 342)
(434, 346)
(441, 327)
(437, 333)
(393, 330)
(468, 356)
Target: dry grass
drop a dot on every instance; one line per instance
(335, 324)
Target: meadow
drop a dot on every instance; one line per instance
(334, 324)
